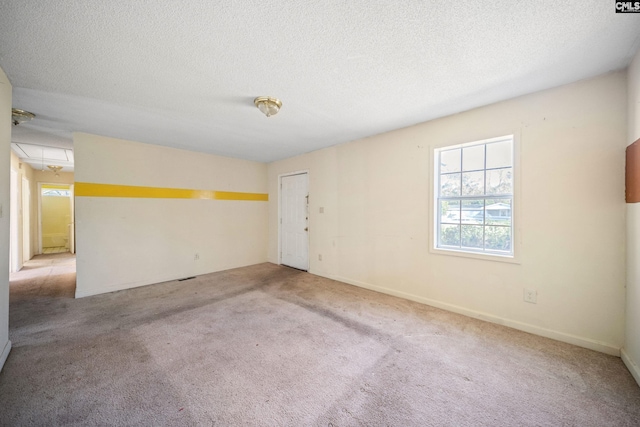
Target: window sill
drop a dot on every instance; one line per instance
(511, 259)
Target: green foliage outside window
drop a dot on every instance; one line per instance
(475, 197)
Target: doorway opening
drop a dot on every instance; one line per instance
(56, 231)
(50, 275)
(294, 220)
(52, 270)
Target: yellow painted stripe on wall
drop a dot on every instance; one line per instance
(229, 195)
(87, 189)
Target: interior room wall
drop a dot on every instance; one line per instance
(123, 242)
(631, 350)
(5, 166)
(375, 231)
(49, 177)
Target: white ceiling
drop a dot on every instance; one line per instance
(40, 156)
(185, 73)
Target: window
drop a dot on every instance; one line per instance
(474, 197)
(56, 192)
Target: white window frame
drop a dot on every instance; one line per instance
(514, 256)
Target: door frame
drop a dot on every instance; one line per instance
(26, 219)
(72, 225)
(279, 219)
(15, 205)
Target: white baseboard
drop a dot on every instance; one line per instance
(5, 354)
(532, 329)
(631, 365)
(81, 293)
(84, 291)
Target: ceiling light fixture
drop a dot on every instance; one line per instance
(55, 169)
(269, 106)
(20, 116)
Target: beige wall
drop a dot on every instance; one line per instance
(48, 177)
(56, 217)
(5, 144)
(127, 242)
(375, 229)
(631, 350)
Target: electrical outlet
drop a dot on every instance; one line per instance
(319, 257)
(531, 296)
(321, 209)
(196, 257)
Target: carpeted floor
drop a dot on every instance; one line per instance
(267, 345)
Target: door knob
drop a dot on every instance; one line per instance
(306, 229)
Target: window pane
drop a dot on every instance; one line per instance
(472, 236)
(56, 193)
(499, 154)
(497, 238)
(450, 161)
(450, 211)
(450, 185)
(449, 235)
(473, 183)
(500, 181)
(474, 186)
(498, 212)
(473, 158)
(472, 211)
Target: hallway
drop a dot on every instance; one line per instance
(44, 276)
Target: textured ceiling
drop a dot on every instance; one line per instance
(185, 73)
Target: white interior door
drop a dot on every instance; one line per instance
(294, 221)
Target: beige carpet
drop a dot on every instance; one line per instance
(268, 345)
